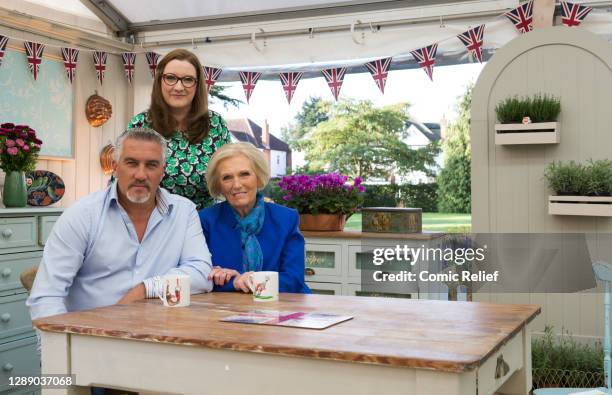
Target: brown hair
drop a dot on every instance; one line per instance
(159, 111)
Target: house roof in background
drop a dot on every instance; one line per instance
(429, 129)
(246, 130)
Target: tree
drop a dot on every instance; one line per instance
(454, 180)
(314, 111)
(360, 140)
(217, 93)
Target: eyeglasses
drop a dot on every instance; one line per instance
(187, 81)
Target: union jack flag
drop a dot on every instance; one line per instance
(522, 17)
(290, 82)
(34, 53)
(380, 70)
(249, 79)
(152, 59)
(334, 78)
(426, 57)
(3, 41)
(129, 62)
(473, 40)
(573, 14)
(211, 74)
(70, 56)
(99, 58)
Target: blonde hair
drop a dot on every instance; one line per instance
(248, 150)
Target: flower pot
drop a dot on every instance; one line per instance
(15, 192)
(322, 222)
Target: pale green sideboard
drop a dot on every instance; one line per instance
(23, 233)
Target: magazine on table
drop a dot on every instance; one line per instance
(297, 319)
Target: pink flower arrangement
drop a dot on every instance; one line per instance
(19, 147)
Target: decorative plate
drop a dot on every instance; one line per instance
(44, 187)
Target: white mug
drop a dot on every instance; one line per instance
(174, 290)
(264, 286)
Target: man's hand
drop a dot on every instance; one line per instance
(134, 294)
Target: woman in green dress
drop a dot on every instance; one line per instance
(179, 112)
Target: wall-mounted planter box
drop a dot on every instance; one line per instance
(532, 133)
(596, 206)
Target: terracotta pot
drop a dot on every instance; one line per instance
(322, 222)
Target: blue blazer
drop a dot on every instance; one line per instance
(281, 242)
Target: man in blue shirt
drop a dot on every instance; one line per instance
(109, 246)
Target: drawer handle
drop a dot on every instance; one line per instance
(7, 367)
(6, 233)
(6, 317)
(6, 272)
(502, 367)
(309, 271)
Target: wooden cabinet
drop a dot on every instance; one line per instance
(23, 233)
(341, 263)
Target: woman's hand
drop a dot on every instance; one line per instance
(221, 276)
(242, 282)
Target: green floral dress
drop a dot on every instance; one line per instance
(186, 163)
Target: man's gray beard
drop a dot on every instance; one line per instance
(138, 200)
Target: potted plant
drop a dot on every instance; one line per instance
(19, 148)
(580, 189)
(528, 120)
(324, 201)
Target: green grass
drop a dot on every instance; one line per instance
(438, 222)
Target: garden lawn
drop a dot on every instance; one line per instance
(438, 222)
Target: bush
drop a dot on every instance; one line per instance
(571, 178)
(424, 196)
(539, 108)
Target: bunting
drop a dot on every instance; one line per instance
(152, 59)
(334, 78)
(211, 74)
(3, 41)
(99, 58)
(522, 17)
(34, 54)
(380, 70)
(290, 82)
(129, 62)
(573, 14)
(426, 57)
(70, 56)
(249, 79)
(473, 40)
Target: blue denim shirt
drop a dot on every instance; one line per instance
(93, 256)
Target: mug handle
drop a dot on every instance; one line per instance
(160, 289)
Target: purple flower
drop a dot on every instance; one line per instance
(19, 142)
(10, 143)
(7, 125)
(25, 148)
(12, 151)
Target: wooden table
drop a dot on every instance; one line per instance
(390, 347)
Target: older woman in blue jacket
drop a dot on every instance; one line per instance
(244, 233)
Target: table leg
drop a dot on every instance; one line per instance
(521, 381)
(55, 359)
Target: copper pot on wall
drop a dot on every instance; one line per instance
(98, 110)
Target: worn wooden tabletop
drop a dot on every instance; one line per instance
(447, 336)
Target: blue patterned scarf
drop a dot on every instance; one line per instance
(249, 227)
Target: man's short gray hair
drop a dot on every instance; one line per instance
(143, 134)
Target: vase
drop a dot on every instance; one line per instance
(14, 193)
(322, 222)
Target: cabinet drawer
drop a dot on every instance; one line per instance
(323, 262)
(360, 290)
(11, 267)
(325, 288)
(45, 224)
(18, 358)
(498, 368)
(17, 233)
(14, 316)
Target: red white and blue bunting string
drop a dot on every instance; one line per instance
(290, 82)
(573, 14)
(99, 59)
(129, 63)
(379, 69)
(473, 40)
(34, 54)
(522, 17)
(211, 74)
(70, 56)
(335, 78)
(249, 80)
(152, 59)
(3, 41)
